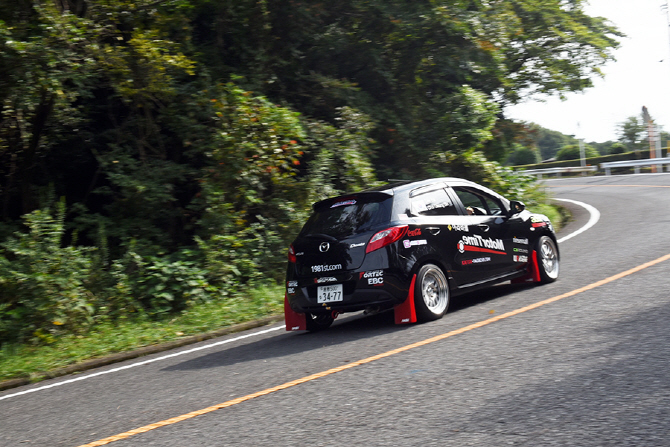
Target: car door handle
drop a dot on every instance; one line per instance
(484, 227)
(433, 230)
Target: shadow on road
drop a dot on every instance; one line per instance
(350, 328)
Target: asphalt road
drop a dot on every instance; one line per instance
(589, 368)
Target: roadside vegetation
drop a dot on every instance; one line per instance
(159, 156)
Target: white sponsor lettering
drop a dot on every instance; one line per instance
(518, 258)
(457, 227)
(326, 268)
(292, 284)
(434, 206)
(291, 290)
(517, 240)
(375, 281)
(478, 260)
(357, 245)
(325, 279)
(373, 274)
(408, 243)
(478, 241)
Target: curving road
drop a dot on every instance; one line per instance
(583, 361)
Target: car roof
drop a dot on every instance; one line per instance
(401, 186)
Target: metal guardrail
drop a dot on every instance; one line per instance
(634, 164)
(558, 171)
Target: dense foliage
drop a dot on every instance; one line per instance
(573, 152)
(187, 138)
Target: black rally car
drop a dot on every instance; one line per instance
(410, 246)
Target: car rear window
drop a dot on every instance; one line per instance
(349, 216)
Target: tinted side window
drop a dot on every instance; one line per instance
(478, 202)
(433, 203)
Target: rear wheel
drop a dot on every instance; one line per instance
(431, 293)
(547, 259)
(318, 322)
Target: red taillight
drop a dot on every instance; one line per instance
(385, 237)
(291, 255)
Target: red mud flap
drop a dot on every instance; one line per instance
(405, 312)
(294, 321)
(533, 271)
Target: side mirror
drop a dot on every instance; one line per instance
(515, 207)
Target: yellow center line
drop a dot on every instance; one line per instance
(328, 372)
(607, 186)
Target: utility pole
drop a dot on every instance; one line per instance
(582, 154)
(654, 137)
(664, 7)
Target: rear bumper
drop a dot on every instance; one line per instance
(361, 290)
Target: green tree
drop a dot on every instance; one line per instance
(572, 152)
(523, 156)
(631, 133)
(408, 65)
(617, 148)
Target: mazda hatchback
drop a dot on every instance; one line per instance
(410, 247)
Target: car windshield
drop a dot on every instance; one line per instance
(348, 217)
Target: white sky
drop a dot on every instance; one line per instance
(637, 78)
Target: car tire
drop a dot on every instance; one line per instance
(431, 293)
(547, 259)
(318, 322)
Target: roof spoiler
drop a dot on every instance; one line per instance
(363, 196)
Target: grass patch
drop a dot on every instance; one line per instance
(558, 215)
(22, 360)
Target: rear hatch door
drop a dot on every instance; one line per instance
(335, 236)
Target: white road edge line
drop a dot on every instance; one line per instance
(595, 217)
(145, 362)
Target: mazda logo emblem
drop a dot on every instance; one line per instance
(325, 246)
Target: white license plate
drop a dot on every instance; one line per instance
(329, 294)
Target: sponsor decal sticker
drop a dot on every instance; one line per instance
(434, 206)
(478, 243)
(517, 240)
(520, 250)
(520, 258)
(476, 261)
(457, 227)
(374, 277)
(343, 203)
(324, 279)
(416, 232)
(357, 245)
(292, 284)
(407, 243)
(537, 222)
(326, 268)
(290, 290)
